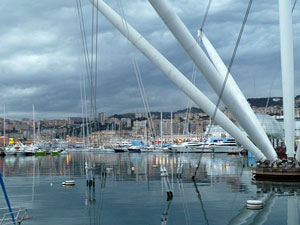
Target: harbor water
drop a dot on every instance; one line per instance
(129, 189)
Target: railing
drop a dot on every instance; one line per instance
(20, 214)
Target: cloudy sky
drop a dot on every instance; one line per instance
(41, 57)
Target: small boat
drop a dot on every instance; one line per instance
(120, 149)
(54, 153)
(134, 149)
(40, 152)
(68, 183)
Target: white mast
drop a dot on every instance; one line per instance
(4, 124)
(161, 129)
(287, 70)
(232, 95)
(172, 138)
(176, 76)
(33, 123)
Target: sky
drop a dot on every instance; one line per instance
(41, 56)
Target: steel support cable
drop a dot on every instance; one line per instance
(143, 94)
(228, 72)
(268, 100)
(294, 6)
(96, 72)
(136, 69)
(138, 75)
(86, 57)
(82, 107)
(149, 117)
(188, 112)
(92, 65)
(205, 15)
(86, 51)
(84, 34)
(147, 103)
(83, 37)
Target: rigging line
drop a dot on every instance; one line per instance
(147, 103)
(144, 96)
(205, 15)
(86, 56)
(228, 72)
(92, 65)
(268, 100)
(96, 69)
(82, 33)
(125, 25)
(82, 108)
(188, 112)
(139, 83)
(294, 6)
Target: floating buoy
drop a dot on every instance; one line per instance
(254, 204)
(69, 183)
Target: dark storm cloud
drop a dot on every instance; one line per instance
(41, 58)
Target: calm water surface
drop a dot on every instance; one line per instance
(129, 190)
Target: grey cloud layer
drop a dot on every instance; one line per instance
(41, 57)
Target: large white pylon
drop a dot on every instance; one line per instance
(176, 76)
(232, 96)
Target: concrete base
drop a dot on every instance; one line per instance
(276, 174)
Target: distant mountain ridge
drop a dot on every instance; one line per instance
(273, 101)
(254, 102)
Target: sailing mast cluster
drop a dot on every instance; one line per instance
(214, 70)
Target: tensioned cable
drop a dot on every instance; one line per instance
(294, 6)
(87, 59)
(228, 72)
(205, 15)
(139, 78)
(96, 71)
(138, 75)
(268, 100)
(188, 110)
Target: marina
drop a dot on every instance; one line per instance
(224, 159)
(123, 195)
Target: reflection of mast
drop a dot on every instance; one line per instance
(165, 214)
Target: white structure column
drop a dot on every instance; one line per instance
(232, 96)
(176, 76)
(287, 71)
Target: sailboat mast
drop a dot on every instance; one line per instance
(172, 139)
(33, 123)
(4, 124)
(161, 129)
(287, 70)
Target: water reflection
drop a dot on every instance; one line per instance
(128, 189)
